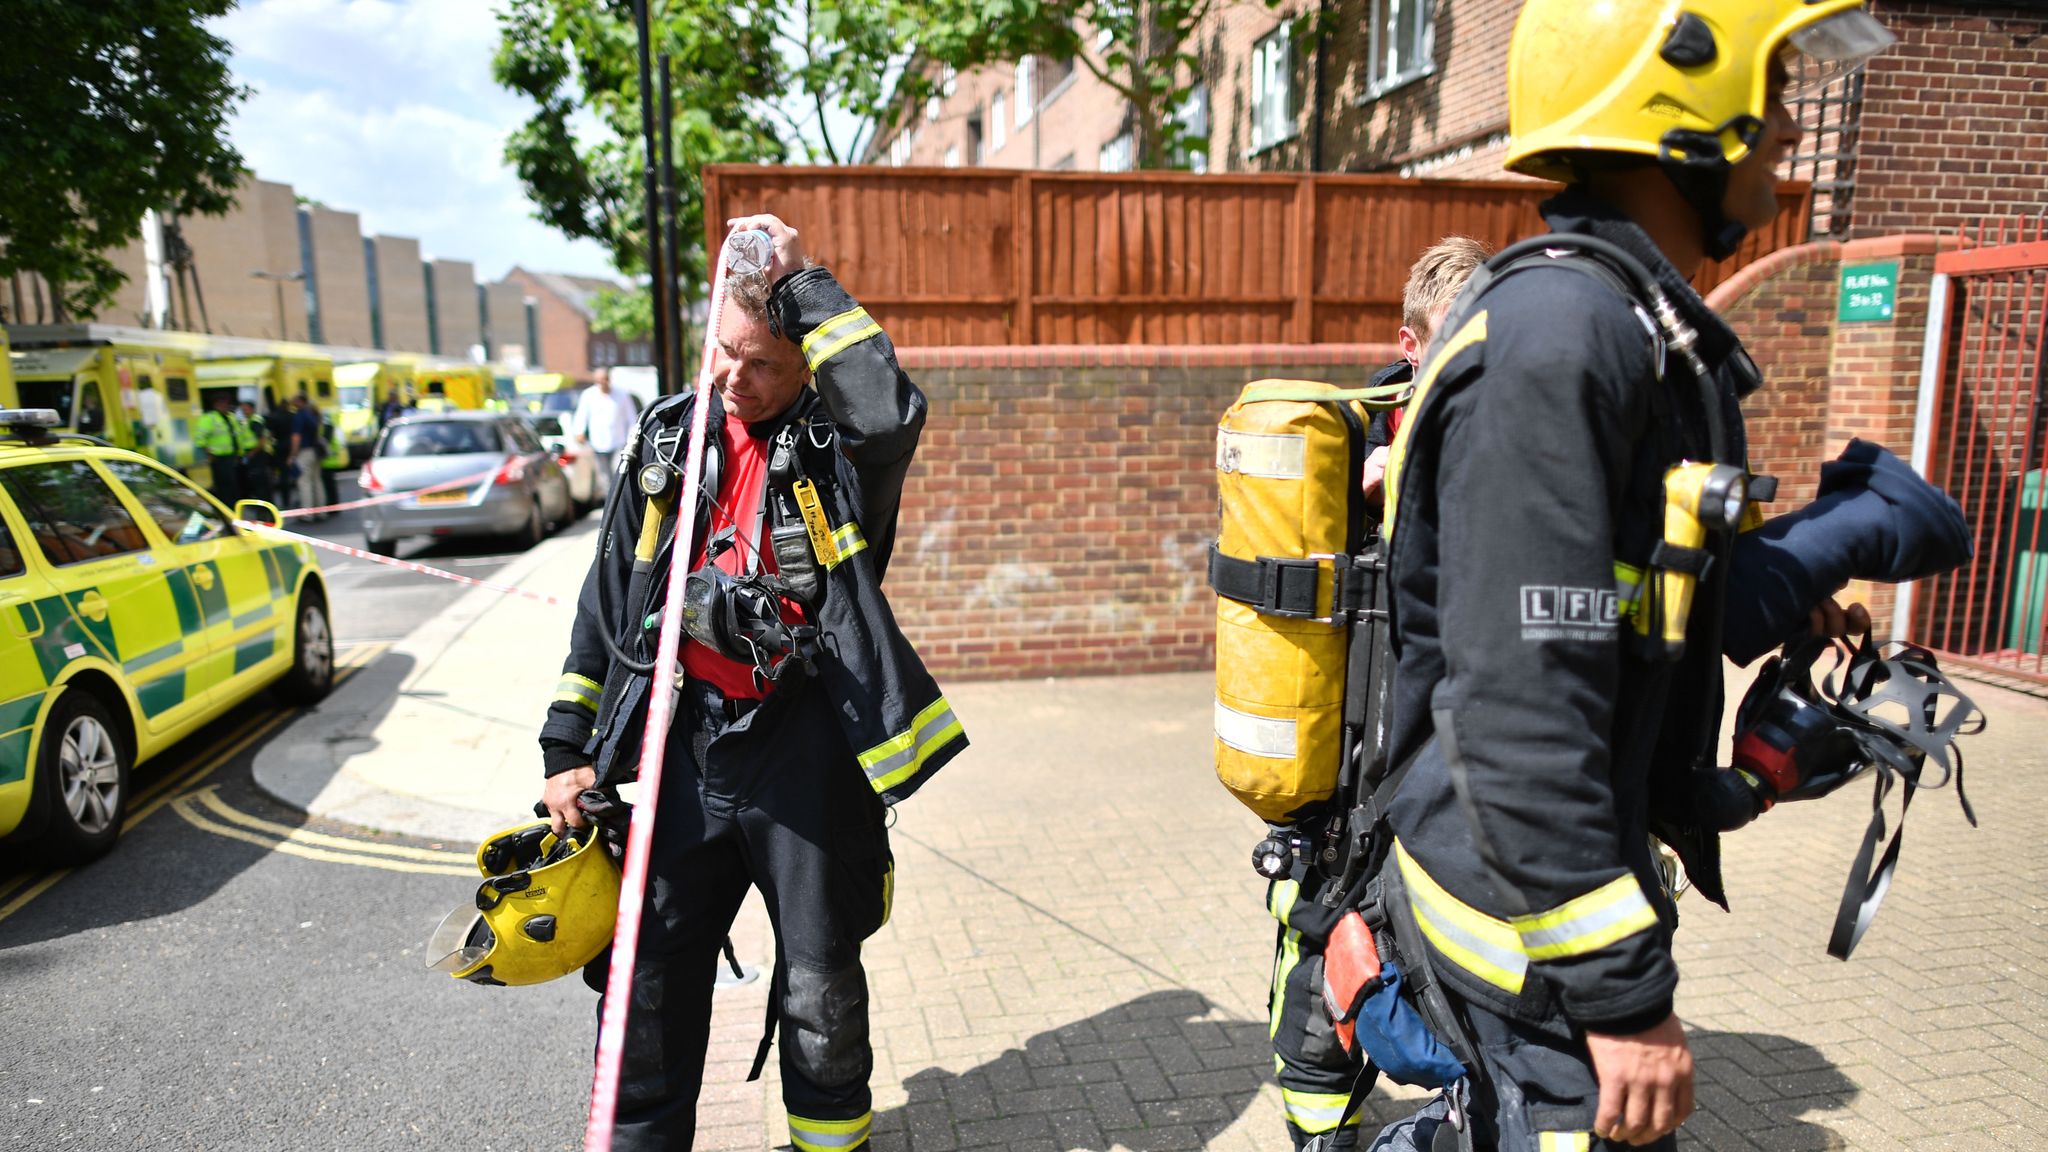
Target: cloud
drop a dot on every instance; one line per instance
(388, 109)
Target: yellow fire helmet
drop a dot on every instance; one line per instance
(546, 908)
(1678, 80)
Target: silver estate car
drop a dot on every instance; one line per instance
(466, 474)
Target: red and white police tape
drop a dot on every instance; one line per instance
(405, 565)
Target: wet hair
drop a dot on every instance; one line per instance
(1435, 279)
(750, 291)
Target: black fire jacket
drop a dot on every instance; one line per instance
(1530, 464)
(856, 432)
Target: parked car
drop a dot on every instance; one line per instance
(577, 461)
(467, 474)
(133, 611)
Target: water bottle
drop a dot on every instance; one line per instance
(749, 252)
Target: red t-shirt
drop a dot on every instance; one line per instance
(738, 506)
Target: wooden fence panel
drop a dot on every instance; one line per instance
(977, 256)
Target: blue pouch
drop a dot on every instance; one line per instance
(1397, 1039)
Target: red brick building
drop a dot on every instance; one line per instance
(562, 329)
(1945, 127)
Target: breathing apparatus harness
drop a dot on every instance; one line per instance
(1885, 709)
(737, 616)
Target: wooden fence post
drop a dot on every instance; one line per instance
(1023, 275)
(1301, 329)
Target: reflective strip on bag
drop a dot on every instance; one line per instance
(828, 1135)
(1564, 1142)
(579, 690)
(1614, 911)
(1262, 736)
(837, 334)
(1264, 454)
(903, 755)
(1315, 1112)
(1488, 948)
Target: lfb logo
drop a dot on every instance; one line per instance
(1568, 607)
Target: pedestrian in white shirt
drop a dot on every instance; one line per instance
(602, 422)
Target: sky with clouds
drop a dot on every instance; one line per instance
(386, 108)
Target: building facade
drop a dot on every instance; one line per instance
(561, 323)
(1944, 128)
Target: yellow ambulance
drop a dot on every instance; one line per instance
(133, 611)
(460, 386)
(362, 389)
(129, 387)
(274, 380)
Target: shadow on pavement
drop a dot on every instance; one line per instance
(165, 863)
(1153, 1073)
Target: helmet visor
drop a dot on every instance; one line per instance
(1827, 50)
(462, 940)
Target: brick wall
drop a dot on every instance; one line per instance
(401, 294)
(1828, 381)
(1451, 123)
(1955, 117)
(338, 272)
(458, 320)
(564, 331)
(1058, 516)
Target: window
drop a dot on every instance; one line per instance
(440, 438)
(51, 394)
(522, 437)
(71, 511)
(178, 389)
(974, 153)
(184, 516)
(1398, 39)
(1052, 77)
(998, 121)
(1027, 89)
(1272, 89)
(899, 150)
(1116, 155)
(952, 159)
(10, 556)
(92, 412)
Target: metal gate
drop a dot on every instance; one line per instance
(1989, 448)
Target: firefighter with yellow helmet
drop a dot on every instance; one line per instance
(1571, 469)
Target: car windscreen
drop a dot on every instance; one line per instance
(564, 401)
(547, 426)
(440, 438)
(355, 395)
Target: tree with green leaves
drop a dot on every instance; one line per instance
(1148, 55)
(754, 80)
(107, 111)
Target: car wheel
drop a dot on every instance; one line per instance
(312, 672)
(84, 764)
(536, 527)
(385, 548)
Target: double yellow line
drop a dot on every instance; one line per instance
(16, 891)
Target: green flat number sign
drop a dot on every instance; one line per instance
(1869, 291)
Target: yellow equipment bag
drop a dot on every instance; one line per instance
(1289, 568)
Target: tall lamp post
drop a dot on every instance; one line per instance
(280, 279)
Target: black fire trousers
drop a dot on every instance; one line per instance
(772, 799)
(1315, 1073)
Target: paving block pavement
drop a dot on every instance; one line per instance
(1078, 953)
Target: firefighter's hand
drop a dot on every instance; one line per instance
(1645, 1082)
(559, 794)
(1832, 620)
(789, 250)
(1375, 471)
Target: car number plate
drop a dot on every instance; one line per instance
(451, 496)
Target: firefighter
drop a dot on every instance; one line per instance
(1316, 1074)
(1552, 692)
(803, 711)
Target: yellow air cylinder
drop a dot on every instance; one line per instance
(1286, 476)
